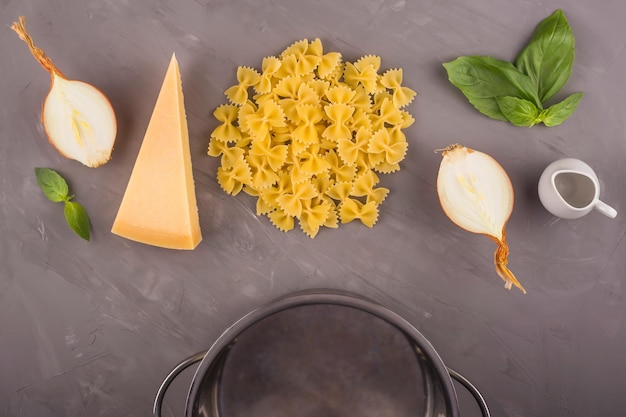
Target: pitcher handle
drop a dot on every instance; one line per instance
(484, 409)
(605, 209)
(186, 363)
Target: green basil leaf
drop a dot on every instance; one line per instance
(483, 78)
(518, 111)
(559, 112)
(52, 184)
(77, 219)
(549, 56)
(487, 106)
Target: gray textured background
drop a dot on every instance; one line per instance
(91, 328)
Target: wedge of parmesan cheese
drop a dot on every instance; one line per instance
(159, 205)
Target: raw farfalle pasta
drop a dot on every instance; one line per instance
(392, 79)
(227, 132)
(307, 135)
(270, 65)
(352, 209)
(233, 178)
(247, 77)
(386, 148)
(307, 132)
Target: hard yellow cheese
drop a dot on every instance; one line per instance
(159, 206)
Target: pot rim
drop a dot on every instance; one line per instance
(324, 296)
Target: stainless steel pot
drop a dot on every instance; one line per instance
(320, 354)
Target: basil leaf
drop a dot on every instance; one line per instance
(559, 112)
(518, 111)
(488, 106)
(77, 219)
(483, 78)
(52, 184)
(549, 56)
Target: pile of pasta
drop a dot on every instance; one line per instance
(309, 134)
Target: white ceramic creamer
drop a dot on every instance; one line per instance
(569, 188)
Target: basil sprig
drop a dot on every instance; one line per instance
(55, 188)
(517, 92)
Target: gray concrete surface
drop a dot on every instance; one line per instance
(91, 328)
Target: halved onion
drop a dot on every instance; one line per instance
(476, 193)
(77, 117)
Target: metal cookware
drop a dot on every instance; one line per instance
(320, 354)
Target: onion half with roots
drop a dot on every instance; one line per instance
(77, 117)
(476, 193)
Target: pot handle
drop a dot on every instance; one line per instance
(186, 363)
(472, 389)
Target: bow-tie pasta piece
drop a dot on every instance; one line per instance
(392, 79)
(363, 186)
(227, 131)
(367, 76)
(389, 148)
(352, 209)
(329, 65)
(388, 115)
(269, 67)
(262, 174)
(309, 142)
(274, 154)
(292, 202)
(353, 151)
(307, 131)
(314, 215)
(339, 116)
(305, 95)
(270, 194)
(260, 123)
(234, 178)
(230, 154)
(246, 77)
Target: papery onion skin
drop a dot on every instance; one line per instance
(477, 195)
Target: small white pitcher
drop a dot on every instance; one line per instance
(569, 188)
